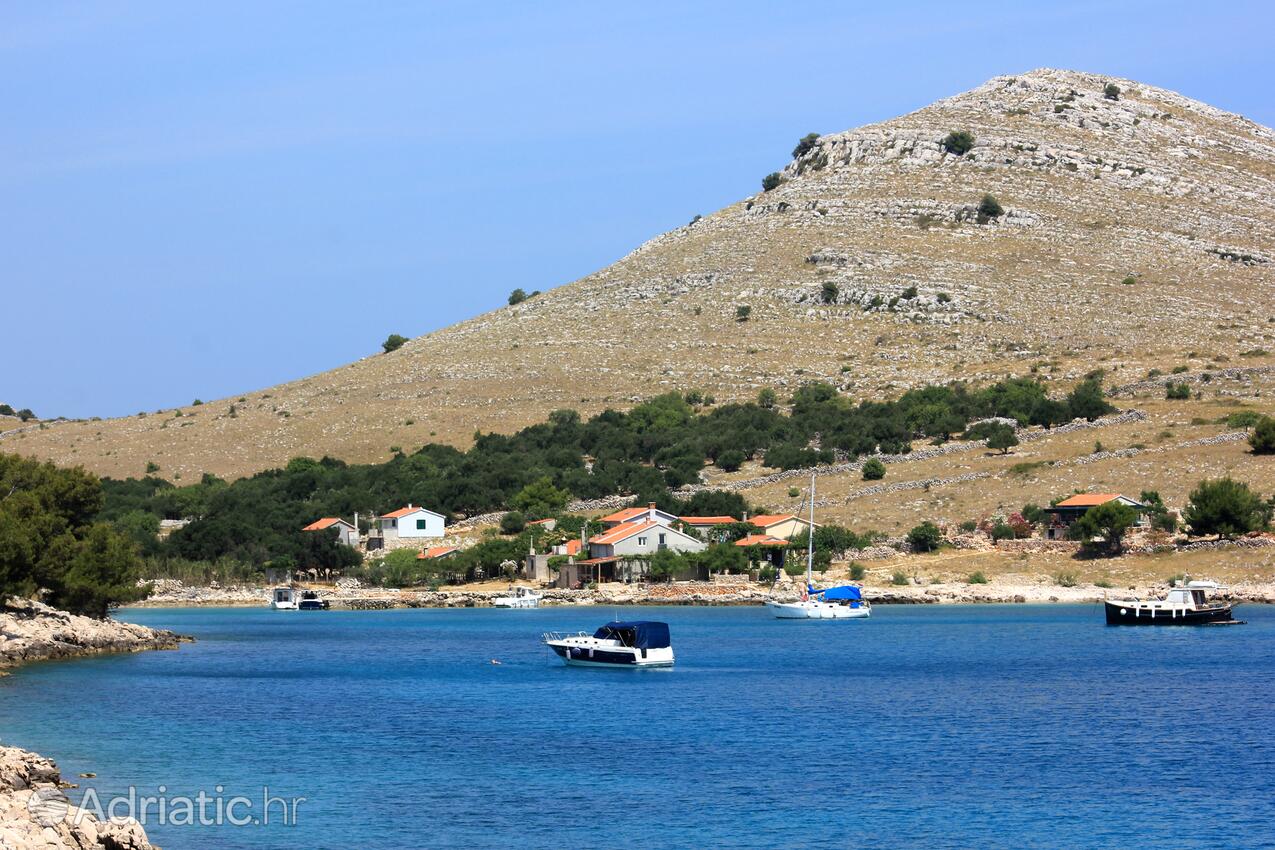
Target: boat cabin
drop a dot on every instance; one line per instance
(638, 634)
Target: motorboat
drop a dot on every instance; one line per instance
(519, 597)
(638, 643)
(283, 599)
(1182, 606)
(311, 601)
(832, 603)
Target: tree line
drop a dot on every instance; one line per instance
(660, 444)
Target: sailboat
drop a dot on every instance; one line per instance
(832, 603)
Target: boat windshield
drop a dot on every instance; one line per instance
(638, 635)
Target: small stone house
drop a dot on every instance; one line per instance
(1073, 508)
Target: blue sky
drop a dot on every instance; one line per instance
(202, 199)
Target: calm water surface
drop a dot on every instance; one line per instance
(929, 726)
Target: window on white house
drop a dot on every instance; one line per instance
(420, 524)
(641, 541)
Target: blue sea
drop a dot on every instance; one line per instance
(926, 726)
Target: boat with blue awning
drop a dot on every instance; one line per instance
(634, 643)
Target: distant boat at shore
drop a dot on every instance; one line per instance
(283, 599)
(1182, 606)
(639, 643)
(521, 597)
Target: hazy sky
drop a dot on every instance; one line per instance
(202, 199)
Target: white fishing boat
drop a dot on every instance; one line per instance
(833, 603)
(1182, 606)
(283, 599)
(640, 643)
(520, 597)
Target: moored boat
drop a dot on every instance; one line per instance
(638, 643)
(1182, 606)
(520, 597)
(311, 601)
(283, 599)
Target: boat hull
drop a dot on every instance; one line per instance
(1119, 614)
(595, 656)
(817, 611)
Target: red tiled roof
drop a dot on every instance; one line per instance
(541, 521)
(760, 540)
(402, 512)
(767, 520)
(708, 520)
(622, 532)
(326, 522)
(436, 552)
(624, 515)
(572, 547)
(1087, 500)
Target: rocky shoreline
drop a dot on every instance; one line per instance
(34, 812)
(31, 631)
(686, 593)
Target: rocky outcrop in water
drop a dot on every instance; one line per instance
(36, 815)
(31, 631)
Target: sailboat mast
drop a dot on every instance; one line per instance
(810, 534)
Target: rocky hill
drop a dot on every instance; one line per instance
(1136, 230)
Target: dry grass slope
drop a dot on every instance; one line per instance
(1154, 186)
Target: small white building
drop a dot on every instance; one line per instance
(411, 522)
(345, 532)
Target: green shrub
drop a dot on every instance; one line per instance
(393, 342)
(1111, 91)
(1002, 531)
(989, 208)
(909, 293)
(766, 398)
(513, 522)
(1226, 508)
(1177, 391)
(1241, 419)
(730, 460)
(771, 181)
(976, 578)
(767, 574)
(958, 142)
(968, 526)
(1103, 583)
(857, 572)
(1129, 280)
(1065, 579)
(517, 297)
(925, 537)
(1178, 370)
(151, 467)
(793, 492)
(1002, 437)
(805, 145)
(899, 578)
(1262, 440)
(873, 469)
(742, 312)
(829, 292)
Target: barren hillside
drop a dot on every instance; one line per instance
(1137, 231)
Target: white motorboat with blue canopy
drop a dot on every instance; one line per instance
(844, 602)
(636, 643)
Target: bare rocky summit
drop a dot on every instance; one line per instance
(1136, 227)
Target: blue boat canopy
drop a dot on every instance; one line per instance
(640, 634)
(846, 591)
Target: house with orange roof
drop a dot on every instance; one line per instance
(1067, 511)
(436, 552)
(346, 532)
(411, 522)
(641, 537)
(760, 540)
(782, 526)
(571, 548)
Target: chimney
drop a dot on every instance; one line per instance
(651, 505)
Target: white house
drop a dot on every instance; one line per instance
(345, 532)
(644, 537)
(411, 522)
(630, 515)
